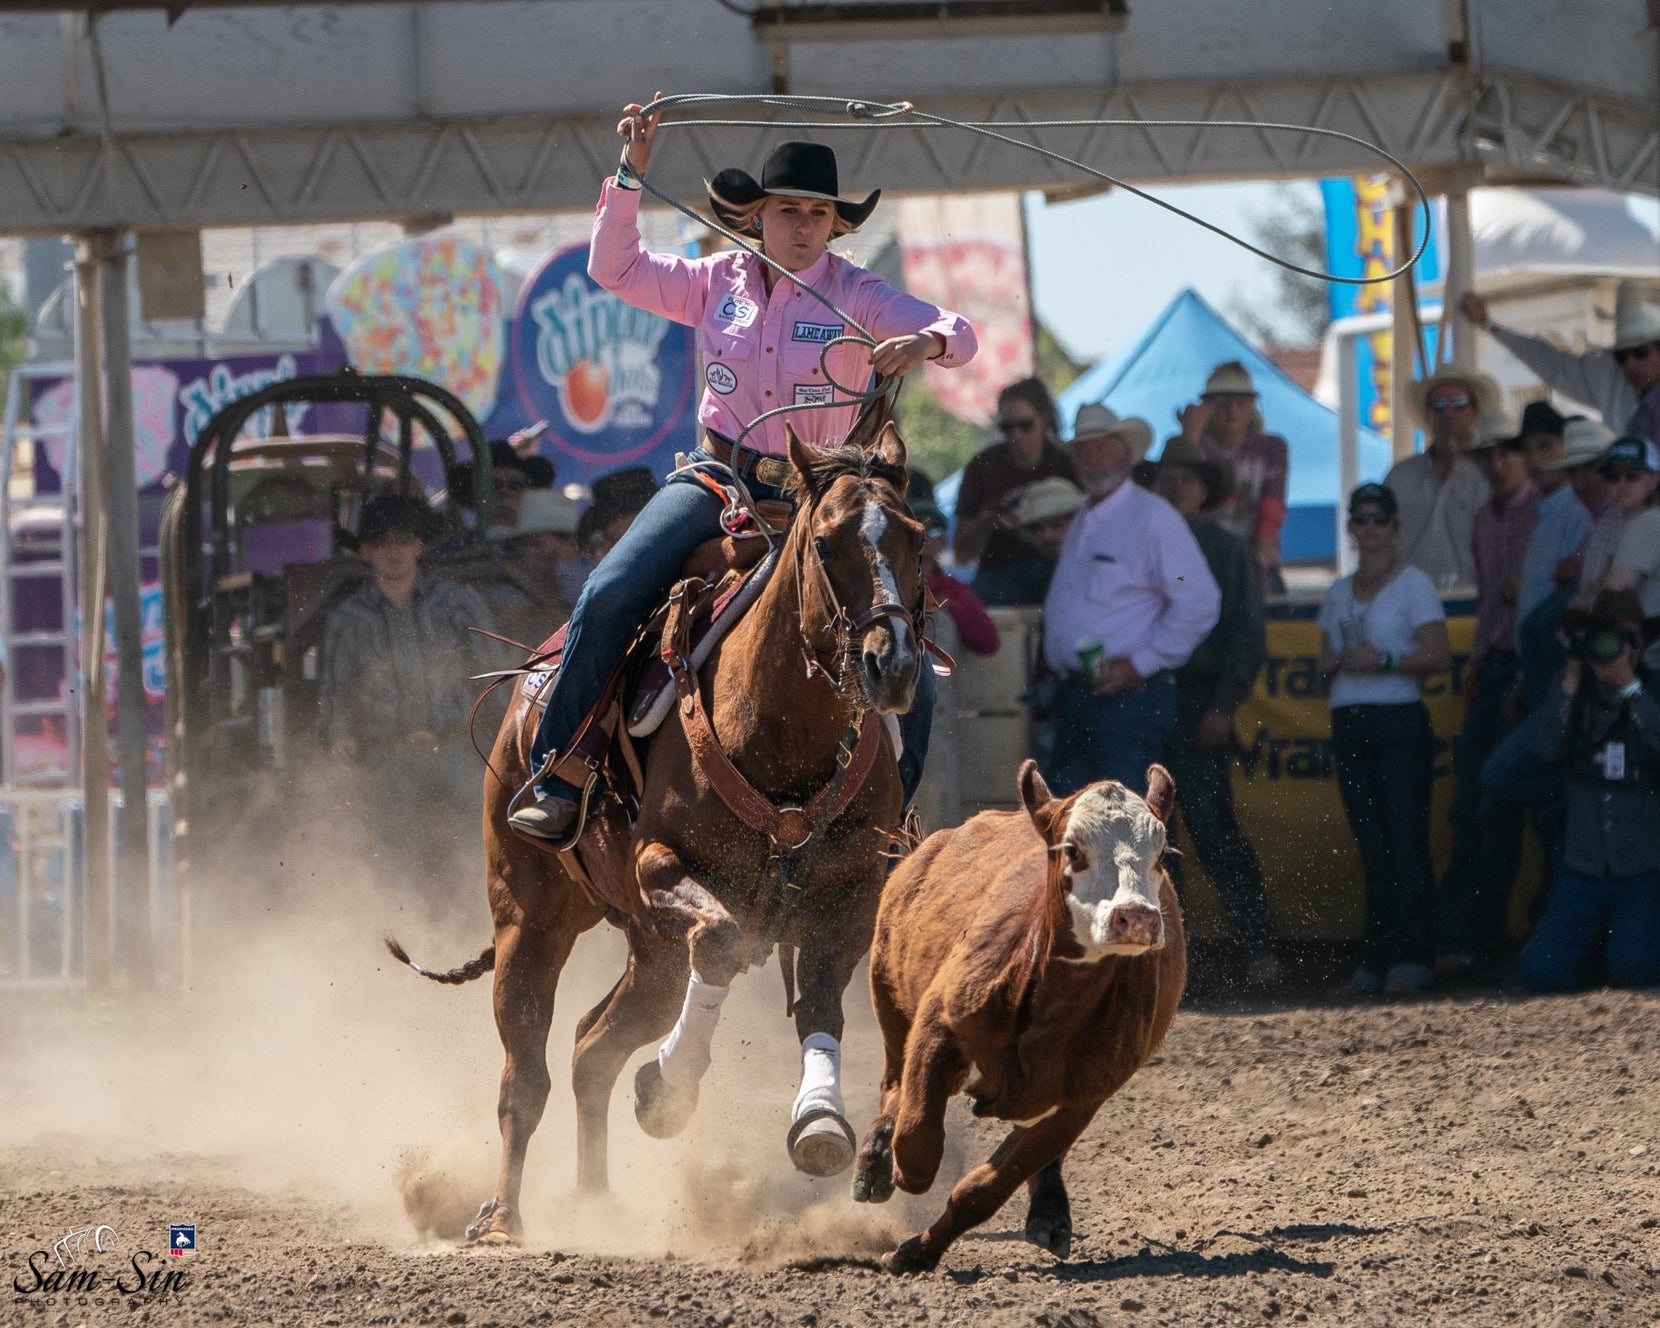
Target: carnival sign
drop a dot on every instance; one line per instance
(614, 383)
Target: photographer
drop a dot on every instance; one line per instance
(1603, 732)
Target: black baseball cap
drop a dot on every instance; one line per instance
(1374, 495)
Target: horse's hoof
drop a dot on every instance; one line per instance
(873, 1181)
(496, 1224)
(822, 1143)
(1050, 1233)
(912, 1257)
(661, 1110)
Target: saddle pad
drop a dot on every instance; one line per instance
(654, 696)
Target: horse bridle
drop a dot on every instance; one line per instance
(841, 623)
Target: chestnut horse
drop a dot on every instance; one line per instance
(832, 639)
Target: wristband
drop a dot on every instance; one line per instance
(625, 178)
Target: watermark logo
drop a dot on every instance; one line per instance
(181, 1239)
(84, 1268)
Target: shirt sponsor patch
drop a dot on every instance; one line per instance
(737, 311)
(818, 332)
(813, 394)
(720, 378)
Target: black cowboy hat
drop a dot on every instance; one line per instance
(794, 170)
(1217, 472)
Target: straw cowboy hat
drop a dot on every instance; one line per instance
(542, 511)
(1045, 499)
(1094, 420)
(1584, 440)
(1636, 314)
(1217, 472)
(1229, 379)
(794, 170)
(1494, 427)
(1483, 388)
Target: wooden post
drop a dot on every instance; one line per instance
(122, 567)
(90, 567)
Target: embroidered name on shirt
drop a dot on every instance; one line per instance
(813, 394)
(737, 311)
(818, 332)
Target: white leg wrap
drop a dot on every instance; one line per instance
(685, 1053)
(821, 1076)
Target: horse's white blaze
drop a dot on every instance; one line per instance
(1121, 840)
(876, 526)
(821, 1077)
(685, 1054)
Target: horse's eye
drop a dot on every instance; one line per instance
(822, 545)
(1076, 858)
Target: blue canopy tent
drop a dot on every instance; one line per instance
(1166, 366)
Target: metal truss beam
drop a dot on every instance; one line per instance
(537, 163)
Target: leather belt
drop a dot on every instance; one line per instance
(769, 470)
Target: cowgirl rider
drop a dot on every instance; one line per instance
(760, 338)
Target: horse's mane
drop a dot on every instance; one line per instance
(829, 464)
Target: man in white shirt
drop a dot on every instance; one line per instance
(1440, 488)
(1131, 599)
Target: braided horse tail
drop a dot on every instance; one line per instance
(473, 968)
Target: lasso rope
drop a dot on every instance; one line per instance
(896, 115)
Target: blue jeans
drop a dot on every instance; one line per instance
(1620, 917)
(1383, 755)
(1110, 737)
(621, 593)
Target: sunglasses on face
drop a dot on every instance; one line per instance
(1634, 352)
(1448, 403)
(1016, 426)
(1370, 518)
(1621, 475)
(509, 485)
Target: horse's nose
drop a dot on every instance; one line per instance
(890, 673)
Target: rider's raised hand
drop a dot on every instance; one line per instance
(638, 132)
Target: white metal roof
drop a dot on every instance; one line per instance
(253, 115)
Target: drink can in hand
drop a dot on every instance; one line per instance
(1091, 655)
(1351, 631)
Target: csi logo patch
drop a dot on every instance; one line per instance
(818, 332)
(736, 311)
(720, 378)
(813, 394)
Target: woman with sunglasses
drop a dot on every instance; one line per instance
(1623, 380)
(1385, 632)
(995, 478)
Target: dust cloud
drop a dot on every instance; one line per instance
(294, 1056)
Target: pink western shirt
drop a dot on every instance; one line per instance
(760, 352)
(1131, 573)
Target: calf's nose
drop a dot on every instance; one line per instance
(1135, 924)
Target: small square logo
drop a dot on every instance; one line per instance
(181, 1239)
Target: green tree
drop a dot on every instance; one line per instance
(14, 333)
(1294, 228)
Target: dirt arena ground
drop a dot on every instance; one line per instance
(323, 1118)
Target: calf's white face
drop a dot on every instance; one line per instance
(1112, 844)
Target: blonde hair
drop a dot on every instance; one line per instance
(746, 220)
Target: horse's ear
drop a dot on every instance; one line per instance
(801, 457)
(890, 447)
(1034, 791)
(1161, 792)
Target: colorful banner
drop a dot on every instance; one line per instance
(1360, 242)
(429, 307)
(965, 253)
(613, 383)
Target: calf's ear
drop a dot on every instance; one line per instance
(1161, 792)
(1034, 792)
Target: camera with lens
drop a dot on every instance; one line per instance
(1602, 644)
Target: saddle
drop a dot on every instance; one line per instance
(718, 582)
